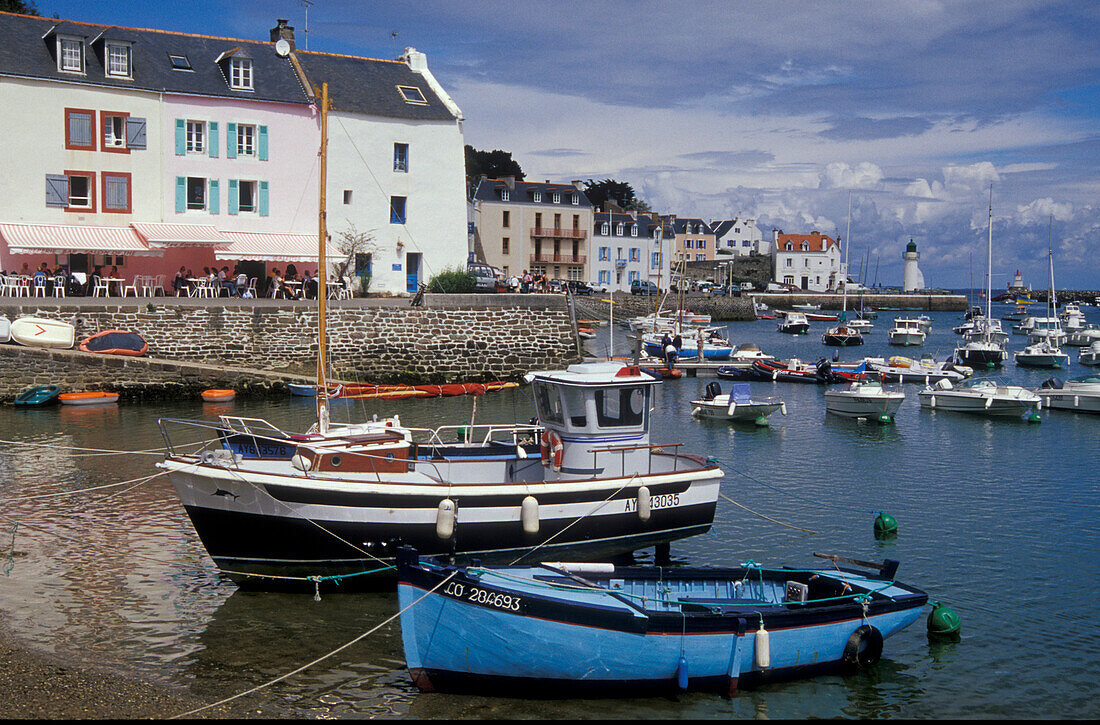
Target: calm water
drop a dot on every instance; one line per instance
(998, 518)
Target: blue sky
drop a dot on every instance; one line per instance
(775, 110)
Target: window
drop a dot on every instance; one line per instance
(633, 230)
(635, 254)
(504, 244)
(81, 190)
(196, 193)
(118, 60)
(70, 55)
(575, 199)
(179, 62)
(347, 196)
(505, 195)
(605, 254)
(116, 193)
(240, 74)
(688, 243)
(605, 276)
(506, 219)
(790, 261)
(413, 95)
(619, 229)
(246, 140)
(702, 244)
(655, 260)
(196, 137)
(619, 407)
(537, 197)
(557, 197)
(634, 277)
(605, 229)
(700, 257)
(397, 210)
(78, 129)
(789, 246)
(548, 403)
(401, 157)
(575, 273)
(114, 131)
(246, 196)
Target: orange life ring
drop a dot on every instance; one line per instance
(551, 449)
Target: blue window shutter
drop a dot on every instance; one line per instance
(213, 140)
(233, 198)
(181, 137)
(181, 194)
(213, 197)
(135, 133)
(231, 141)
(263, 143)
(263, 198)
(57, 190)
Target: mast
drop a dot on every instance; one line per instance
(322, 271)
(1052, 301)
(989, 270)
(847, 246)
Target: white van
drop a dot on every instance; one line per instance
(485, 277)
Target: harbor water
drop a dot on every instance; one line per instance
(997, 518)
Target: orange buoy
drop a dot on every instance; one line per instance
(88, 398)
(216, 395)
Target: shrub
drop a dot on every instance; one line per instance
(452, 281)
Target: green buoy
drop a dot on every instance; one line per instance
(885, 526)
(885, 419)
(1034, 418)
(943, 621)
(762, 421)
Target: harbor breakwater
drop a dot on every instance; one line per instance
(257, 345)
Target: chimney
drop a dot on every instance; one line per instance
(282, 31)
(578, 184)
(509, 181)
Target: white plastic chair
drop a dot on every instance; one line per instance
(152, 284)
(39, 286)
(134, 285)
(59, 283)
(100, 285)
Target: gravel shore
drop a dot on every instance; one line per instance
(45, 686)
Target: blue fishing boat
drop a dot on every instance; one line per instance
(602, 628)
(305, 391)
(38, 395)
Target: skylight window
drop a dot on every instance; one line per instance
(179, 62)
(412, 95)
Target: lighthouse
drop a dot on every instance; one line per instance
(914, 280)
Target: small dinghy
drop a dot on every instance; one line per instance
(303, 391)
(737, 405)
(43, 332)
(98, 397)
(604, 628)
(115, 342)
(218, 395)
(38, 395)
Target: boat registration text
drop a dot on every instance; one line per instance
(484, 597)
(660, 501)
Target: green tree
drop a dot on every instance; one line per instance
(494, 164)
(18, 6)
(622, 193)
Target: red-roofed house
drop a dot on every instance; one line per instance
(809, 261)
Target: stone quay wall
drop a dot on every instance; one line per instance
(450, 338)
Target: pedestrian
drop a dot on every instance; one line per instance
(700, 339)
(670, 352)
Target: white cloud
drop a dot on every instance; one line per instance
(1041, 210)
(839, 175)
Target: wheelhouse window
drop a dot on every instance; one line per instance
(548, 403)
(574, 406)
(622, 407)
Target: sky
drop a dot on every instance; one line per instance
(778, 111)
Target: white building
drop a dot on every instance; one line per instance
(810, 262)
(626, 249)
(913, 279)
(739, 237)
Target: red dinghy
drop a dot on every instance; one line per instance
(400, 392)
(115, 342)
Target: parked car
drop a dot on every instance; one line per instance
(485, 277)
(578, 288)
(554, 285)
(597, 287)
(643, 287)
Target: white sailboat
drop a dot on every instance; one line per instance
(844, 334)
(985, 352)
(339, 499)
(1044, 352)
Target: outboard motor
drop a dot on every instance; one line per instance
(1052, 384)
(713, 390)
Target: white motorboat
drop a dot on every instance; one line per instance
(339, 499)
(864, 326)
(1081, 394)
(866, 399)
(794, 323)
(807, 307)
(1084, 337)
(983, 328)
(1042, 355)
(926, 370)
(738, 404)
(906, 332)
(986, 351)
(925, 323)
(1072, 317)
(748, 353)
(1091, 355)
(985, 396)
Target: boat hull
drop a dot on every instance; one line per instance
(262, 525)
(1057, 361)
(43, 332)
(979, 404)
(862, 406)
(906, 339)
(551, 642)
(752, 411)
(1085, 402)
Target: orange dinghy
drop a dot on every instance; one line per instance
(217, 395)
(88, 398)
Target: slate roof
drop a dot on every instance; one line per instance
(645, 224)
(356, 85)
(524, 193)
(680, 225)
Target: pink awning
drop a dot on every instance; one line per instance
(180, 235)
(272, 247)
(73, 239)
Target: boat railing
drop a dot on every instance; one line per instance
(654, 449)
(451, 434)
(260, 432)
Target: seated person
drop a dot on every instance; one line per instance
(180, 283)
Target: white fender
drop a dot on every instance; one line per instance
(529, 515)
(445, 519)
(763, 652)
(989, 402)
(644, 510)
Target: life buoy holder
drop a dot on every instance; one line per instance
(551, 449)
(864, 647)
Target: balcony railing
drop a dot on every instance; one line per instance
(555, 232)
(558, 258)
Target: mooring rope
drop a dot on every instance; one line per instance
(304, 667)
(138, 481)
(816, 502)
(96, 451)
(767, 518)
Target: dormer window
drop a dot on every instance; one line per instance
(633, 230)
(538, 197)
(557, 197)
(240, 74)
(575, 200)
(412, 95)
(70, 55)
(505, 195)
(619, 229)
(805, 247)
(118, 60)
